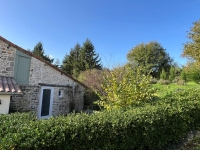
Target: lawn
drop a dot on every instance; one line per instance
(162, 90)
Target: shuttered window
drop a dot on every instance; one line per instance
(22, 67)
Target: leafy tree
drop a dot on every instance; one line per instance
(172, 73)
(192, 71)
(81, 59)
(192, 48)
(163, 75)
(151, 57)
(39, 51)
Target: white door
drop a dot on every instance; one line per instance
(46, 101)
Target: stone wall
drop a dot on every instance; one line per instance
(28, 101)
(43, 73)
(7, 55)
(73, 98)
(61, 105)
(78, 97)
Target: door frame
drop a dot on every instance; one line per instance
(40, 102)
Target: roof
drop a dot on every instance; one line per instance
(32, 55)
(8, 86)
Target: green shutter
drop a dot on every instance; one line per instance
(22, 67)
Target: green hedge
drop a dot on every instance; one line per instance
(151, 127)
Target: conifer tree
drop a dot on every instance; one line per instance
(172, 72)
(71, 61)
(81, 59)
(39, 51)
(163, 75)
(89, 57)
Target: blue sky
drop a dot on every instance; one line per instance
(113, 26)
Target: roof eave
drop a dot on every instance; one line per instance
(10, 93)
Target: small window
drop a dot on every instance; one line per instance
(60, 93)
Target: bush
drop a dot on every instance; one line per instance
(151, 127)
(93, 79)
(163, 75)
(153, 81)
(125, 87)
(164, 82)
(192, 71)
(89, 98)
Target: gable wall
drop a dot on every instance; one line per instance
(42, 73)
(7, 56)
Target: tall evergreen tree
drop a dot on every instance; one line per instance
(39, 51)
(81, 59)
(90, 59)
(172, 72)
(71, 62)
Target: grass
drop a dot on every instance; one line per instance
(162, 90)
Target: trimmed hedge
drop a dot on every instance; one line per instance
(150, 127)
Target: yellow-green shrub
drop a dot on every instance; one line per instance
(125, 87)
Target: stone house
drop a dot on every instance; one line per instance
(29, 83)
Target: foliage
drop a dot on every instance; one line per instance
(125, 87)
(151, 127)
(72, 62)
(192, 71)
(163, 75)
(183, 75)
(89, 98)
(81, 58)
(153, 81)
(89, 57)
(93, 79)
(192, 48)
(172, 74)
(163, 82)
(151, 56)
(39, 51)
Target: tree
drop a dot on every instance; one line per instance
(89, 57)
(81, 59)
(151, 57)
(163, 75)
(71, 62)
(192, 48)
(57, 63)
(183, 75)
(172, 73)
(192, 71)
(39, 51)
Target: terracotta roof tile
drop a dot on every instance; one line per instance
(8, 84)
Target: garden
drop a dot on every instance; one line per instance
(149, 103)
